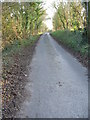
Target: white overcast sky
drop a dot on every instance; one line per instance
(50, 12)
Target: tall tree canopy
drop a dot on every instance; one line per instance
(19, 20)
(69, 15)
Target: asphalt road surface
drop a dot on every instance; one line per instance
(58, 84)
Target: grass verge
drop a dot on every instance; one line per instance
(74, 42)
(16, 58)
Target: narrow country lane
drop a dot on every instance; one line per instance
(58, 84)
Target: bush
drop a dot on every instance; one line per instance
(73, 40)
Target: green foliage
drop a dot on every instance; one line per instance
(70, 23)
(69, 16)
(20, 20)
(73, 40)
(16, 47)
